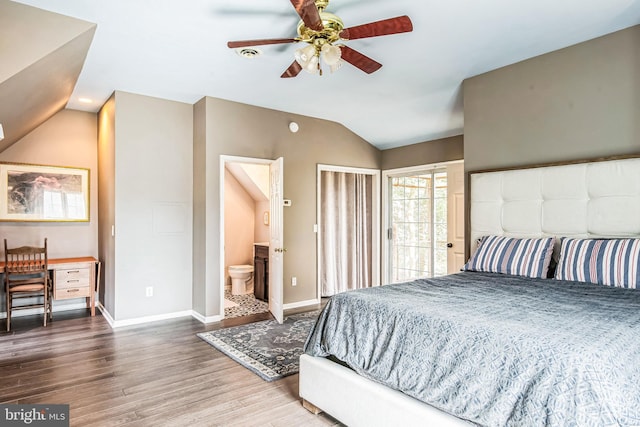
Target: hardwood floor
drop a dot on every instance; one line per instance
(157, 374)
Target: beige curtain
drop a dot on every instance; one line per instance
(345, 231)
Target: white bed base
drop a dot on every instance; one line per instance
(587, 199)
(357, 401)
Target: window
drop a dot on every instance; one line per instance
(418, 232)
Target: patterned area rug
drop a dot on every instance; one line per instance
(246, 305)
(267, 348)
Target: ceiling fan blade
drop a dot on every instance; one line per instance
(308, 13)
(359, 60)
(246, 43)
(399, 24)
(293, 70)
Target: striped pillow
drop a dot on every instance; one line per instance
(611, 262)
(508, 255)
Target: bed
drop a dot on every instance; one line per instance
(501, 344)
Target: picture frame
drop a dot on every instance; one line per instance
(41, 193)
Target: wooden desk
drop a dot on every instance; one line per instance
(74, 278)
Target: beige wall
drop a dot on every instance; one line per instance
(152, 190)
(261, 230)
(425, 153)
(239, 224)
(230, 128)
(66, 139)
(201, 233)
(580, 102)
(107, 201)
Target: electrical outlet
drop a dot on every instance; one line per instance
(294, 281)
(149, 291)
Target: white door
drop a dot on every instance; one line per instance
(276, 252)
(455, 217)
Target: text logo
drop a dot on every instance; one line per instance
(34, 415)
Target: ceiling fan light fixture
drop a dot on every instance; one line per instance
(331, 55)
(336, 66)
(305, 54)
(312, 65)
(307, 57)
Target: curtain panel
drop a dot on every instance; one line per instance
(345, 231)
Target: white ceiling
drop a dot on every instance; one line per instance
(176, 49)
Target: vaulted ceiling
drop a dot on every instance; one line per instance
(177, 50)
(41, 56)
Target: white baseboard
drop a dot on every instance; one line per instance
(137, 321)
(148, 319)
(206, 319)
(301, 304)
(105, 314)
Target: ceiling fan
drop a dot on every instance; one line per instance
(321, 30)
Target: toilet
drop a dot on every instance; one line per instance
(241, 276)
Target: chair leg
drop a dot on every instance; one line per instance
(46, 305)
(50, 305)
(8, 311)
(50, 290)
(50, 287)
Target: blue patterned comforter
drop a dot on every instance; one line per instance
(494, 349)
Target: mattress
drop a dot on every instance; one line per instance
(494, 349)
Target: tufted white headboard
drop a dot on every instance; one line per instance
(594, 199)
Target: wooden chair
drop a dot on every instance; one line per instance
(26, 275)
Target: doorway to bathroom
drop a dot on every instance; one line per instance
(250, 222)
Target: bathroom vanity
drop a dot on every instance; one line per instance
(261, 271)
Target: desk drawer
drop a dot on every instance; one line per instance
(76, 292)
(72, 278)
(72, 283)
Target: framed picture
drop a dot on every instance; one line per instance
(43, 193)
